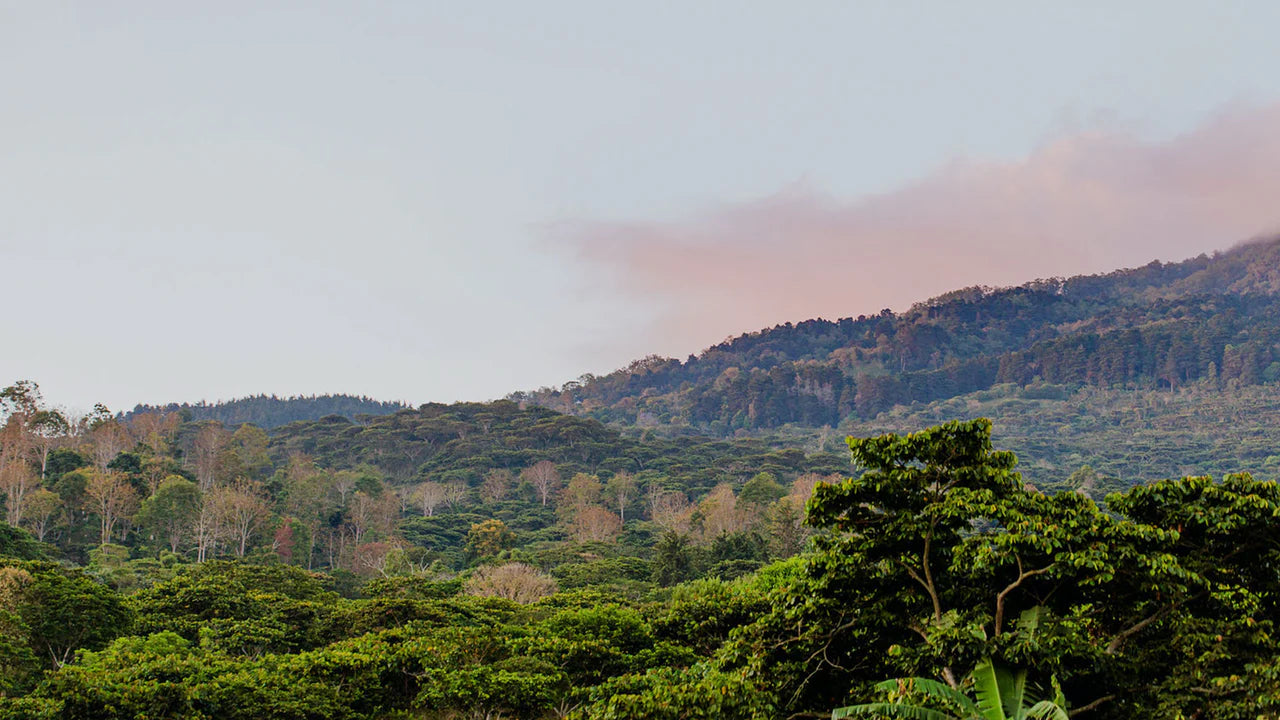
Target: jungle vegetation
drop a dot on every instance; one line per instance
(327, 586)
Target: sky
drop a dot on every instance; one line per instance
(427, 201)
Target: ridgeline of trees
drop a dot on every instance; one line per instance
(1161, 326)
(935, 583)
(269, 411)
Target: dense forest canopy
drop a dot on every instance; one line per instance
(912, 587)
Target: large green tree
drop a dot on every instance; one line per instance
(926, 559)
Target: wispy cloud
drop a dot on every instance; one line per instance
(1082, 203)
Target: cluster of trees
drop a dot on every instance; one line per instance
(1159, 326)
(1127, 436)
(269, 411)
(938, 583)
(442, 487)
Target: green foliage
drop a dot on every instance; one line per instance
(999, 693)
(605, 571)
(238, 608)
(673, 560)
(698, 693)
(18, 544)
(935, 557)
(352, 618)
(762, 489)
(414, 587)
(61, 610)
(18, 664)
(703, 613)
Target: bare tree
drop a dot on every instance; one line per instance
(20, 400)
(455, 493)
(155, 470)
(16, 478)
(107, 440)
(802, 487)
(206, 452)
(583, 489)
(495, 486)
(49, 428)
(721, 513)
(544, 478)
(155, 430)
(240, 511)
(344, 482)
(113, 499)
(370, 513)
(206, 527)
(592, 523)
(620, 491)
(429, 495)
(376, 557)
(670, 510)
(513, 581)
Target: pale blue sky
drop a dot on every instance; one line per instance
(367, 197)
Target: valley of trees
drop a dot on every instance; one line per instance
(533, 565)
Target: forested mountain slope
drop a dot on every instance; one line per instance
(1160, 326)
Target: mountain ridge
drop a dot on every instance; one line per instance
(1157, 325)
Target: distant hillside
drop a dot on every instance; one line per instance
(1127, 436)
(1160, 326)
(463, 441)
(269, 411)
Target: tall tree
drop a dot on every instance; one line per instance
(207, 529)
(249, 443)
(107, 439)
(722, 514)
(582, 490)
(42, 508)
(206, 452)
(670, 510)
(49, 428)
(592, 523)
(306, 492)
(16, 476)
(112, 499)
(620, 492)
(241, 511)
(496, 485)
(429, 495)
(368, 513)
(170, 511)
(544, 478)
(155, 430)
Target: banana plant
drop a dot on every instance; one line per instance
(999, 693)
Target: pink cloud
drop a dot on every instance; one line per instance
(1083, 203)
